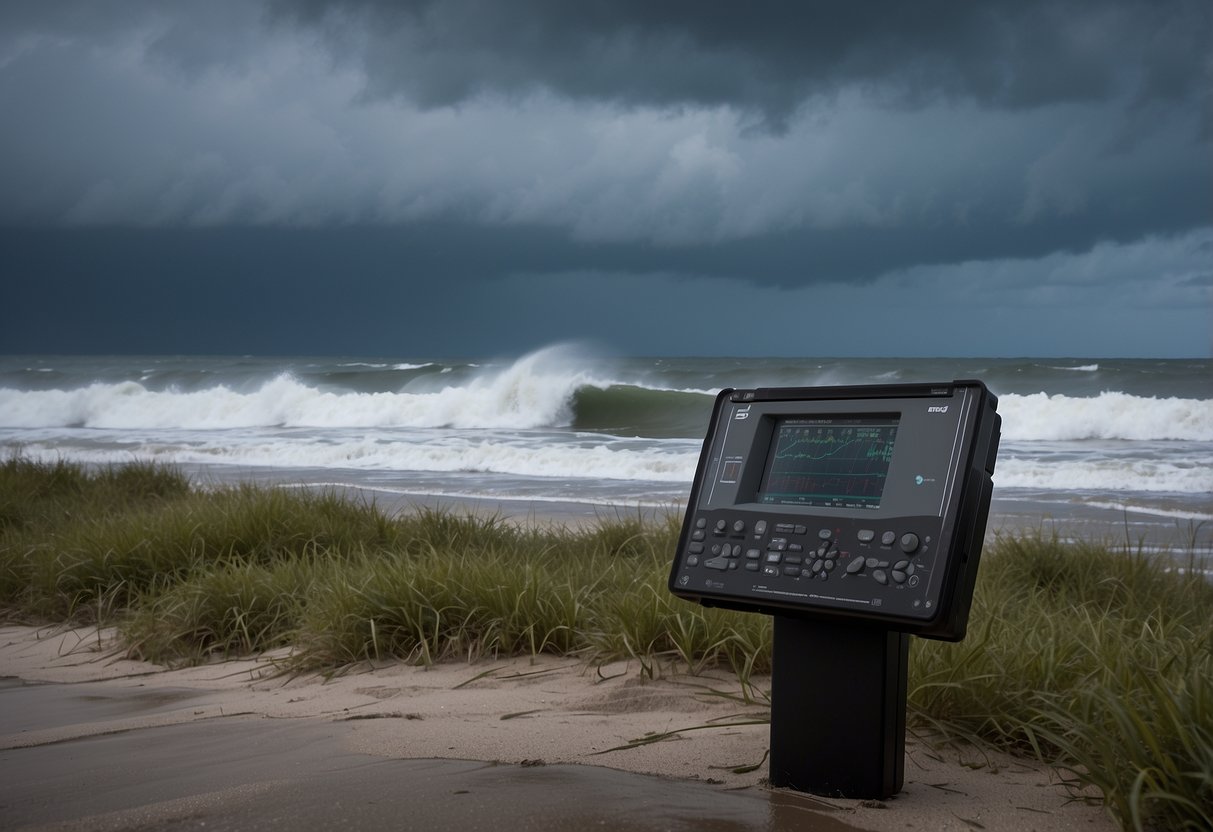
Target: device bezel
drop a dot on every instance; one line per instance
(963, 518)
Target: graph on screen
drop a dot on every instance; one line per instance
(839, 463)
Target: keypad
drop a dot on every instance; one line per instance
(866, 559)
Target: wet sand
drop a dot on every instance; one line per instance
(249, 773)
(91, 740)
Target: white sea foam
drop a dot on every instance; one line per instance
(546, 454)
(1157, 511)
(442, 454)
(381, 366)
(1082, 368)
(1110, 415)
(534, 391)
(1143, 475)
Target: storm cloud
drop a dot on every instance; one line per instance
(541, 143)
(767, 56)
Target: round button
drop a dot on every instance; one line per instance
(701, 523)
(888, 537)
(721, 525)
(909, 542)
(739, 526)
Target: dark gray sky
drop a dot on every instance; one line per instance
(474, 177)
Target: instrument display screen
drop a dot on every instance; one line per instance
(837, 462)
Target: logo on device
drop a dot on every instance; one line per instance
(937, 409)
(742, 413)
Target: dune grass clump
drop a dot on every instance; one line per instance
(241, 608)
(499, 589)
(1098, 659)
(430, 608)
(34, 493)
(81, 543)
(1146, 744)
(40, 500)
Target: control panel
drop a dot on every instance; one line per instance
(843, 502)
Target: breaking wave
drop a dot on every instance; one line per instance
(559, 414)
(527, 395)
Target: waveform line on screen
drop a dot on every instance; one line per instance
(876, 450)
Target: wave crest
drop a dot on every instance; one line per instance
(535, 391)
(1110, 415)
(549, 388)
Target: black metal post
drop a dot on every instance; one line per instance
(838, 708)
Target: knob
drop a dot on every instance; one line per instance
(739, 526)
(909, 542)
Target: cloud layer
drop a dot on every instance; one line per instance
(767, 57)
(615, 121)
(937, 144)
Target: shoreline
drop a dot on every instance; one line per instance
(1179, 524)
(542, 712)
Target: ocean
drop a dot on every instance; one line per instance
(1113, 447)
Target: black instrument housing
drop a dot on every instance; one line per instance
(864, 503)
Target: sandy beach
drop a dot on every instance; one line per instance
(559, 733)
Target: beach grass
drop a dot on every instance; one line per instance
(1095, 658)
